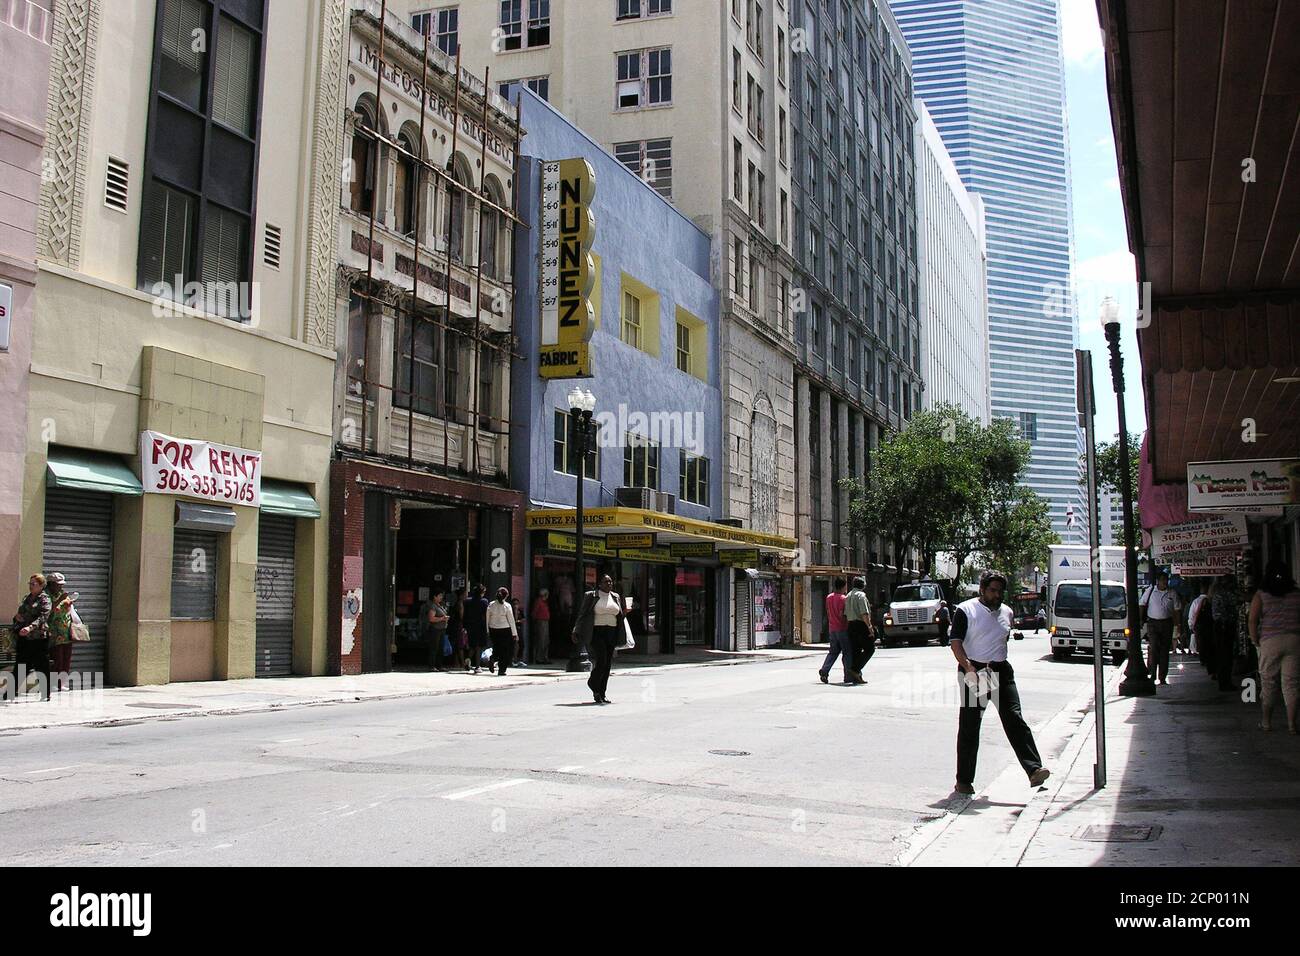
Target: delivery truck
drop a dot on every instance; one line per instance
(1069, 602)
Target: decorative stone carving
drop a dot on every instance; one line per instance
(63, 175)
(763, 484)
(327, 166)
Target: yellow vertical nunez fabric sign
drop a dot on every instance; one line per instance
(568, 270)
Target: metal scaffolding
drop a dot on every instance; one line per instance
(407, 307)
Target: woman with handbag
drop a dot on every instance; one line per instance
(601, 624)
(436, 628)
(60, 626)
(31, 636)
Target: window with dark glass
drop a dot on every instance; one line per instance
(199, 196)
(640, 462)
(566, 449)
(693, 479)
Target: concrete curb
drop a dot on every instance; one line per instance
(926, 835)
(1041, 801)
(402, 695)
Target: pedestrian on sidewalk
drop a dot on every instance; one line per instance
(31, 637)
(59, 626)
(839, 633)
(981, 628)
(503, 631)
(862, 632)
(436, 620)
(541, 615)
(1275, 631)
(1193, 626)
(456, 628)
(476, 624)
(521, 636)
(1161, 607)
(1223, 609)
(600, 625)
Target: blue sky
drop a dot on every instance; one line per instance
(1103, 263)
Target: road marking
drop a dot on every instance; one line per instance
(290, 740)
(53, 769)
(611, 759)
(572, 768)
(462, 794)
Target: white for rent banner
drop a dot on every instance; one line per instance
(200, 469)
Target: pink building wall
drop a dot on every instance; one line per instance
(25, 33)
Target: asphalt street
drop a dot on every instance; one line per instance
(755, 763)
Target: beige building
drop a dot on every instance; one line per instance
(183, 341)
(693, 96)
(424, 306)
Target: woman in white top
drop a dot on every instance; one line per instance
(501, 628)
(599, 625)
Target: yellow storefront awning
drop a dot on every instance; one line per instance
(668, 529)
(79, 470)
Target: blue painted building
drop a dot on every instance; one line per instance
(655, 377)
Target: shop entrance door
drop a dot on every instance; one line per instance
(79, 543)
(275, 589)
(376, 588)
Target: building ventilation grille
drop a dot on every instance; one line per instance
(116, 180)
(271, 246)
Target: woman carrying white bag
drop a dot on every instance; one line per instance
(602, 625)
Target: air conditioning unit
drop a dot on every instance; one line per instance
(644, 498)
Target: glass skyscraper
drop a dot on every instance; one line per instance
(992, 76)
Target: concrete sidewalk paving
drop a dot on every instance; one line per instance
(116, 705)
(1191, 781)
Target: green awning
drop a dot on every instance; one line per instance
(87, 471)
(282, 498)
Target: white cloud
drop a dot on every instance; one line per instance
(1111, 183)
(1080, 32)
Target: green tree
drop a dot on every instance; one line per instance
(1019, 532)
(917, 483)
(1000, 456)
(1109, 479)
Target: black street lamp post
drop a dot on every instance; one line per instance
(581, 404)
(1137, 682)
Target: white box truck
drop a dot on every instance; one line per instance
(1069, 601)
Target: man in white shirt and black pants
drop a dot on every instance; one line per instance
(978, 638)
(1163, 607)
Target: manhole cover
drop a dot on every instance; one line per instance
(158, 705)
(730, 753)
(1120, 833)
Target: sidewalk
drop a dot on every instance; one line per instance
(117, 705)
(1191, 781)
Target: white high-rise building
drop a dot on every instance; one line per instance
(992, 74)
(954, 299)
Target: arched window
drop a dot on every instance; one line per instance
(363, 177)
(456, 206)
(491, 247)
(406, 192)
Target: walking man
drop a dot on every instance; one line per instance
(1163, 607)
(980, 630)
(862, 633)
(839, 629)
